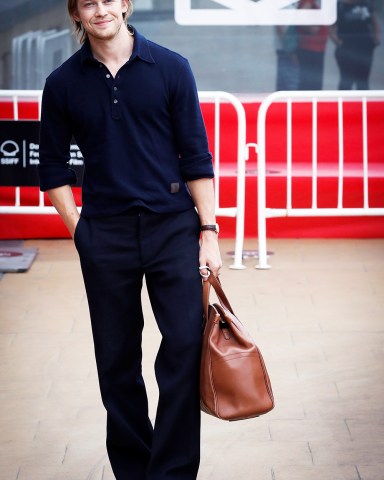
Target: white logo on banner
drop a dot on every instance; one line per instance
(8, 151)
(248, 12)
(9, 148)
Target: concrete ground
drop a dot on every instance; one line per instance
(317, 316)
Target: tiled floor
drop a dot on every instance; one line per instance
(317, 315)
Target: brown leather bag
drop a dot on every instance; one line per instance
(234, 382)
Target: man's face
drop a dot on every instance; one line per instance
(101, 19)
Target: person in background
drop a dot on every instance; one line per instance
(356, 33)
(287, 77)
(312, 42)
(133, 109)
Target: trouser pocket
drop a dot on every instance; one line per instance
(78, 231)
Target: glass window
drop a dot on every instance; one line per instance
(232, 45)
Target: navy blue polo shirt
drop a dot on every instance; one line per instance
(141, 133)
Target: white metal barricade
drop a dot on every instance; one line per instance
(239, 209)
(218, 98)
(314, 211)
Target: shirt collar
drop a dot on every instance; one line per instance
(141, 50)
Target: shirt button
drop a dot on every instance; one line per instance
(115, 88)
(108, 75)
(115, 101)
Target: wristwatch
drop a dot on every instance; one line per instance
(213, 228)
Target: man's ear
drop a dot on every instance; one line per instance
(125, 5)
(75, 16)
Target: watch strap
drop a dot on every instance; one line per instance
(212, 228)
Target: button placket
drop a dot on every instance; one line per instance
(114, 90)
(115, 100)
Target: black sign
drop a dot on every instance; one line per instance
(19, 154)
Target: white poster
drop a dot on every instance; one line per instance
(249, 12)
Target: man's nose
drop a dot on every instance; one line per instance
(100, 9)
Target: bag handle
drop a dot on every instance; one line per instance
(215, 282)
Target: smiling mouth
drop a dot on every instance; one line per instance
(104, 22)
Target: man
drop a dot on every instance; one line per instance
(133, 109)
(312, 43)
(356, 35)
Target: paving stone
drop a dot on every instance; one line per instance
(309, 430)
(371, 472)
(363, 452)
(315, 473)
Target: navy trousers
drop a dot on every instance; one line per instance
(311, 68)
(355, 63)
(116, 253)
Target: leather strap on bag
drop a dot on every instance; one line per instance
(215, 282)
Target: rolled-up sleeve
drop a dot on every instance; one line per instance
(189, 128)
(55, 141)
